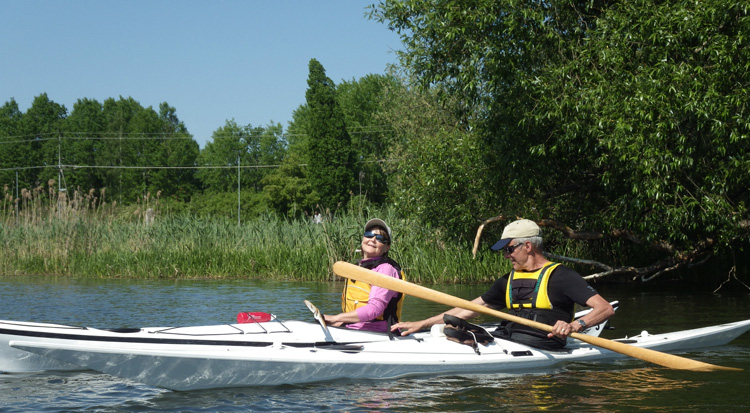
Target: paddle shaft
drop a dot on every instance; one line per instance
(347, 270)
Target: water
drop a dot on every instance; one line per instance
(624, 385)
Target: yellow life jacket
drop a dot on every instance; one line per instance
(356, 294)
(533, 288)
(527, 296)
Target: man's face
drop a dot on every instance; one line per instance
(517, 253)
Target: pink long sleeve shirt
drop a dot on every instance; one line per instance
(377, 302)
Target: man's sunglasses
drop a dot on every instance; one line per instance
(380, 238)
(510, 248)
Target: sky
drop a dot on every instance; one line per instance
(212, 61)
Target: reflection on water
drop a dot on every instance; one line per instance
(623, 385)
(632, 381)
(559, 390)
(606, 389)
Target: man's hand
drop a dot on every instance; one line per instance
(562, 329)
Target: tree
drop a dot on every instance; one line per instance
(136, 147)
(82, 129)
(117, 149)
(176, 149)
(272, 145)
(41, 129)
(627, 120)
(329, 153)
(434, 166)
(476, 55)
(255, 148)
(10, 147)
(287, 188)
(655, 113)
(361, 101)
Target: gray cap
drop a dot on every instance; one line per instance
(377, 222)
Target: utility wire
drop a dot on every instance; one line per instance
(361, 130)
(18, 168)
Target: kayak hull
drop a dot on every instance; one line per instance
(293, 352)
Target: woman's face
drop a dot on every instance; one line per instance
(371, 247)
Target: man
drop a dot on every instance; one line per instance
(535, 289)
(365, 306)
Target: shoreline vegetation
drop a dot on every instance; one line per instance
(46, 232)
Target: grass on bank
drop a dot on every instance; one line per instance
(86, 237)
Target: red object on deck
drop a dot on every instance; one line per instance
(254, 317)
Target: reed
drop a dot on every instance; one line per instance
(83, 236)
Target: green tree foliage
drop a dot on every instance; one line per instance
(655, 110)
(475, 56)
(287, 188)
(178, 151)
(119, 145)
(255, 149)
(41, 128)
(329, 148)
(83, 128)
(258, 151)
(11, 149)
(361, 101)
(139, 141)
(435, 167)
(623, 118)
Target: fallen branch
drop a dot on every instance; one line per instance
(732, 274)
(480, 229)
(701, 252)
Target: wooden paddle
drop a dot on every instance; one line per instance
(347, 270)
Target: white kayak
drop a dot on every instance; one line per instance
(296, 333)
(289, 352)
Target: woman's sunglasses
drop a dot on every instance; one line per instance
(380, 238)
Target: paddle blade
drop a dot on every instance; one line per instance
(316, 313)
(653, 356)
(321, 320)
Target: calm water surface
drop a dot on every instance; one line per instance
(619, 386)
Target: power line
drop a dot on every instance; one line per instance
(19, 168)
(37, 139)
(144, 167)
(42, 137)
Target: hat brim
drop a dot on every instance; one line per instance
(501, 244)
(377, 222)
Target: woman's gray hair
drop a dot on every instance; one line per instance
(535, 241)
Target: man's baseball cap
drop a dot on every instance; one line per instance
(523, 228)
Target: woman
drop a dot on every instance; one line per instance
(365, 306)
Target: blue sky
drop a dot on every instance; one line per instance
(211, 60)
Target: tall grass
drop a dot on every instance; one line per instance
(85, 237)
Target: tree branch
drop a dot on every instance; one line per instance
(699, 254)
